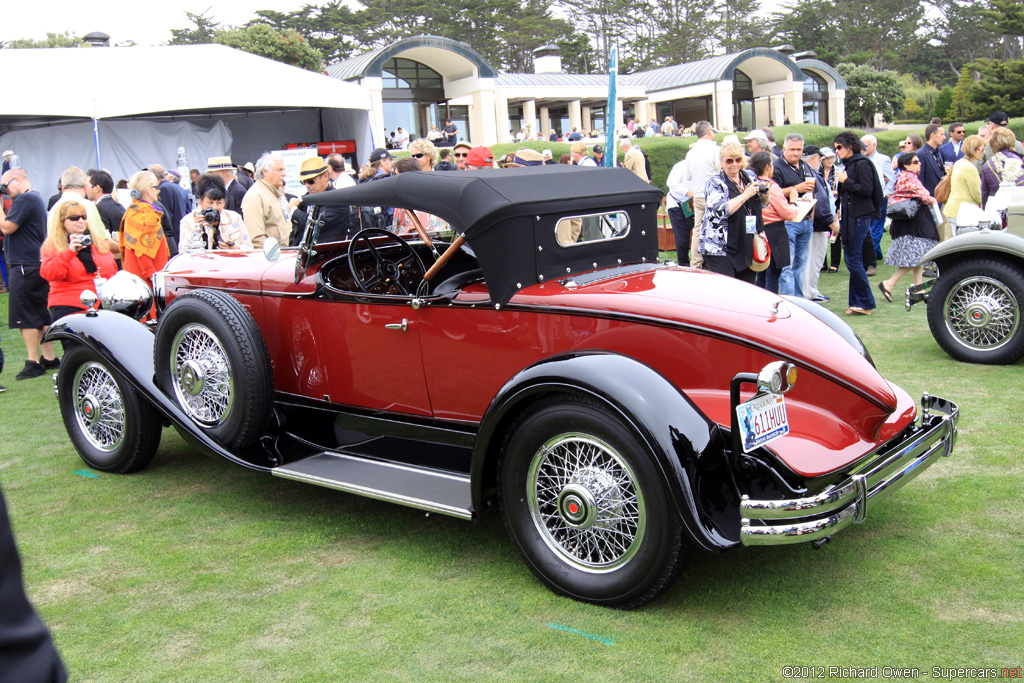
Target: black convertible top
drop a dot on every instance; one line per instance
(508, 217)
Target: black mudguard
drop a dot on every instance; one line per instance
(686, 445)
(127, 346)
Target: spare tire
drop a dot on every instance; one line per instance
(210, 357)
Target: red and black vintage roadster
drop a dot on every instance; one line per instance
(621, 412)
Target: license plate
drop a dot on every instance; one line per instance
(762, 419)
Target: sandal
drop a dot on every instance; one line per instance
(885, 292)
(833, 269)
(857, 310)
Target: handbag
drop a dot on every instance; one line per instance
(941, 193)
(904, 210)
(762, 253)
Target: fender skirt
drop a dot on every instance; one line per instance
(687, 447)
(127, 346)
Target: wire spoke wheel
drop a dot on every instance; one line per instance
(202, 375)
(585, 502)
(98, 407)
(982, 313)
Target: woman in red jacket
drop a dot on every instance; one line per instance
(68, 264)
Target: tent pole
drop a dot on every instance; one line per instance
(96, 134)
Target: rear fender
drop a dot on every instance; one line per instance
(686, 445)
(127, 346)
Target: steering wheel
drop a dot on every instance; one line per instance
(400, 274)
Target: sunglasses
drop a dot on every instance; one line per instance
(734, 160)
(418, 156)
(457, 155)
(915, 161)
(309, 181)
(76, 218)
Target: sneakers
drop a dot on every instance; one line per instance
(821, 298)
(871, 271)
(32, 369)
(50, 364)
(2, 388)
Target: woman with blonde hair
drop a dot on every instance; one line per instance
(965, 180)
(144, 248)
(424, 152)
(75, 258)
(1005, 166)
(731, 216)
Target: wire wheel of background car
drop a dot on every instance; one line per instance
(211, 357)
(974, 311)
(586, 505)
(110, 425)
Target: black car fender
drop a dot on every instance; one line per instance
(685, 443)
(127, 346)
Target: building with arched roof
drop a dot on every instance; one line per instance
(421, 81)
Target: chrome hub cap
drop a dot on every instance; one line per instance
(981, 313)
(202, 376)
(99, 410)
(585, 502)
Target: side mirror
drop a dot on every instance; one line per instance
(272, 249)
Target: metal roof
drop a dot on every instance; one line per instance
(819, 65)
(719, 68)
(552, 80)
(371, 63)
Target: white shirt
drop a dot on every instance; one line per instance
(678, 185)
(883, 164)
(702, 163)
(586, 161)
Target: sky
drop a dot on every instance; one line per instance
(147, 23)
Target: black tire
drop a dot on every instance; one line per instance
(110, 425)
(563, 513)
(974, 311)
(211, 358)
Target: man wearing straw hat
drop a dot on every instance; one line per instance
(233, 190)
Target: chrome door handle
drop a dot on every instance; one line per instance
(403, 326)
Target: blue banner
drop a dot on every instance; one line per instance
(611, 122)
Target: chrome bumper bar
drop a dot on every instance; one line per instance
(778, 522)
(919, 293)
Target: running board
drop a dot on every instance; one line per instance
(427, 489)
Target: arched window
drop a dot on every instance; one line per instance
(742, 101)
(815, 98)
(410, 75)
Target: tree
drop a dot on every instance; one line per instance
(959, 37)
(738, 28)
(287, 46)
(202, 32)
(961, 105)
(869, 92)
(1006, 19)
(1000, 87)
(913, 110)
(65, 39)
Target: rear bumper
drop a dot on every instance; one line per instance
(919, 293)
(778, 522)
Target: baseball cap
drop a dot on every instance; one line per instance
(756, 135)
(462, 144)
(827, 152)
(999, 118)
(546, 154)
(480, 156)
(598, 149)
(380, 153)
(811, 150)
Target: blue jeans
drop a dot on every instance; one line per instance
(769, 279)
(860, 289)
(799, 242)
(878, 229)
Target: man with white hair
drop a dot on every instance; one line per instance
(633, 159)
(757, 141)
(262, 210)
(886, 173)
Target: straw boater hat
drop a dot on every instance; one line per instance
(219, 164)
(311, 168)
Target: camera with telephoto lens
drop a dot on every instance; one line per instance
(85, 240)
(211, 216)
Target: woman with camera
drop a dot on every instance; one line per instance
(75, 257)
(732, 216)
(211, 226)
(144, 248)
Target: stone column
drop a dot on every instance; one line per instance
(545, 121)
(587, 123)
(575, 116)
(723, 109)
(501, 119)
(794, 105)
(530, 115)
(482, 119)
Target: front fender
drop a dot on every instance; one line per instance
(686, 445)
(983, 240)
(127, 346)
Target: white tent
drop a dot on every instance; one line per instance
(149, 101)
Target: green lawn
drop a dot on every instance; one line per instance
(196, 570)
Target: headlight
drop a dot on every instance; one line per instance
(127, 294)
(777, 378)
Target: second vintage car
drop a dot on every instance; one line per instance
(621, 413)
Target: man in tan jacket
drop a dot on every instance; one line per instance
(262, 207)
(633, 159)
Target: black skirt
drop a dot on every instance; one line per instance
(921, 225)
(778, 240)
